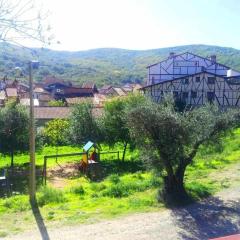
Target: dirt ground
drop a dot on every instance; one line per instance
(213, 217)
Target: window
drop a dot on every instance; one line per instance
(193, 94)
(185, 81)
(185, 95)
(197, 79)
(211, 80)
(210, 96)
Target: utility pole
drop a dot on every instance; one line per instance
(32, 173)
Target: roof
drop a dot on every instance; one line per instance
(231, 237)
(48, 113)
(52, 112)
(104, 89)
(45, 97)
(120, 91)
(176, 55)
(88, 145)
(39, 90)
(71, 90)
(26, 101)
(11, 92)
(52, 80)
(77, 100)
(88, 85)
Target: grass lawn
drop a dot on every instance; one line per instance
(127, 188)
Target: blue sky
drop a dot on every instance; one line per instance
(143, 24)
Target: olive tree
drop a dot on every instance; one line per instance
(170, 139)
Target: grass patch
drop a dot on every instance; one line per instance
(126, 188)
(48, 195)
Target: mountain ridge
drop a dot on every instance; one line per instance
(114, 66)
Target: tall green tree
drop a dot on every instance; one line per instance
(14, 127)
(170, 139)
(116, 130)
(114, 121)
(83, 125)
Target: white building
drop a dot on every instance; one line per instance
(194, 80)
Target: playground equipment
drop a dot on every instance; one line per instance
(90, 164)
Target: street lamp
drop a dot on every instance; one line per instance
(32, 174)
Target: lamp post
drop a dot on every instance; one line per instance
(32, 174)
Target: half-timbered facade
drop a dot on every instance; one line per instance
(196, 82)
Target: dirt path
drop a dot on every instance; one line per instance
(213, 217)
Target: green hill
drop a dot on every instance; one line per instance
(105, 65)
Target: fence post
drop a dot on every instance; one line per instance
(45, 170)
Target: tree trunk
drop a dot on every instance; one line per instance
(124, 151)
(173, 192)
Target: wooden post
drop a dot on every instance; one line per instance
(45, 174)
(44, 177)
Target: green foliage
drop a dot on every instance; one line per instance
(106, 66)
(56, 132)
(56, 103)
(78, 190)
(13, 129)
(174, 137)
(114, 120)
(49, 195)
(17, 203)
(83, 126)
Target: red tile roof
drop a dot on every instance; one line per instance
(232, 237)
(52, 112)
(48, 113)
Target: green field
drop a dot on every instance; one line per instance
(127, 187)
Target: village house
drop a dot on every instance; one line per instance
(194, 80)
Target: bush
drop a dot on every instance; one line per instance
(114, 178)
(117, 191)
(78, 190)
(124, 189)
(17, 203)
(50, 195)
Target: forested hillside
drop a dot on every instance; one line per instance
(103, 66)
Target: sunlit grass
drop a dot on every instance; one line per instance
(123, 190)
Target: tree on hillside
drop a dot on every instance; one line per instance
(83, 125)
(14, 129)
(170, 139)
(22, 19)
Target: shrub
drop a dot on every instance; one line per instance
(114, 178)
(98, 187)
(117, 191)
(17, 203)
(50, 195)
(78, 190)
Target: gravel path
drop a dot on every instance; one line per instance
(213, 217)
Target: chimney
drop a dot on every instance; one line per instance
(213, 58)
(171, 55)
